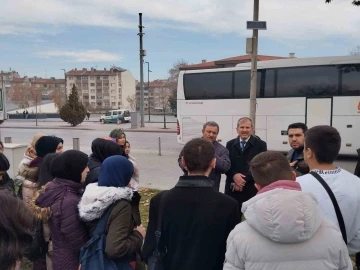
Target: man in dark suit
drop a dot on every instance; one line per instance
(196, 218)
(239, 181)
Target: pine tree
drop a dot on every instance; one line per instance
(73, 112)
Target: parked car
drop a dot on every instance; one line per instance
(113, 116)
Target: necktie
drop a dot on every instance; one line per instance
(242, 145)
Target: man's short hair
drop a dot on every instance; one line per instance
(198, 154)
(325, 142)
(269, 167)
(244, 119)
(298, 125)
(211, 124)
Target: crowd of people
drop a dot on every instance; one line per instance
(68, 210)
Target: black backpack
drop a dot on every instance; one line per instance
(39, 247)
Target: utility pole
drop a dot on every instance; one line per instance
(253, 83)
(65, 85)
(142, 54)
(148, 64)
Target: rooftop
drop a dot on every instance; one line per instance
(95, 72)
(230, 61)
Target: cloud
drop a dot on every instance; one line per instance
(81, 56)
(291, 21)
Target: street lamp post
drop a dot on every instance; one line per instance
(142, 54)
(148, 64)
(255, 26)
(65, 85)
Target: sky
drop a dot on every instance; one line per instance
(42, 37)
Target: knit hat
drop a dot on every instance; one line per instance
(4, 163)
(115, 171)
(46, 145)
(69, 165)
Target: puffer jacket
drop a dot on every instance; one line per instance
(121, 241)
(285, 229)
(68, 233)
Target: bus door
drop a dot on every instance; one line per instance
(319, 111)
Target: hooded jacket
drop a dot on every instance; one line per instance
(111, 191)
(285, 229)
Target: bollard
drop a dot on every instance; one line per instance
(159, 146)
(76, 144)
(8, 140)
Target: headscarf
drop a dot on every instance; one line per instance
(46, 145)
(103, 149)
(69, 165)
(116, 171)
(4, 163)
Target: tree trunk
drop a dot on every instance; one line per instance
(164, 119)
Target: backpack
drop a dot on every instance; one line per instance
(39, 247)
(92, 254)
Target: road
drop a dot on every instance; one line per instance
(155, 171)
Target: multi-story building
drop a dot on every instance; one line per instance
(103, 89)
(47, 86)
(6, 77)
(156, 95)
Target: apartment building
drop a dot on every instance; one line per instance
(6, 77)
(47, 86)
(102, 89)
(156, 93)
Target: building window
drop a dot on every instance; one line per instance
(106, 104)
(98, 78)
(92, 84)
(113, 103)
(99, 103)
(92, 90)
(92, 97)
(106, 84)
(93, 103)
(105, 77)
(70, 78)
(92, 78)
(84, 77)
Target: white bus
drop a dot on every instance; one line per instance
(315, 91)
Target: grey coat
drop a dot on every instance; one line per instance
(223, 164)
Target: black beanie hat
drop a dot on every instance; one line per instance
(46, 145)
(69, 165)
(4, 163)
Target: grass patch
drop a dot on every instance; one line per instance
(146, 195)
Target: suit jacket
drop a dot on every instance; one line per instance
(240, 163)
(300, 168)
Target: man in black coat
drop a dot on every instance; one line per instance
(196, 218)
(239, 181)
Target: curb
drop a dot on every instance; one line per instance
(80, 128)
